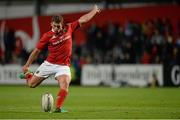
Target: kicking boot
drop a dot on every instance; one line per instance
(26, 75)
(60, 110)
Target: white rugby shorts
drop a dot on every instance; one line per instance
(47, 69)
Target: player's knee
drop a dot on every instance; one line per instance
(64, 81)
(31, 85)
(65, 85)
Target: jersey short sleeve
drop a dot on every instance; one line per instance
(42, 42)
(74, 25)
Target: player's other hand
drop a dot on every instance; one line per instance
(25, 68)
(96, 9)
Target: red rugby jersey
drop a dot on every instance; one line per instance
(59, 46)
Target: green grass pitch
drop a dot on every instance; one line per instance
(21, 102)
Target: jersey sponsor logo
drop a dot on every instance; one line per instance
(61, 39)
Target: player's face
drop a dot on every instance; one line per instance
(57, 27)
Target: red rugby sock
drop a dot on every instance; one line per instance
(60, 98)
(28, 76)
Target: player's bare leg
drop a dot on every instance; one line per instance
(64, 81)
(31, 80)
(34, 81)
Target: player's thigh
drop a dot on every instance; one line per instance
(45, 70)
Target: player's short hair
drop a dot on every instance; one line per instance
(57, 19)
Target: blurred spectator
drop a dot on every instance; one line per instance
(146, 57)
(157, 38)
(167, 27)
(168, 51)
(118, 55)
(178, 26)
(178, 50)
(18, 50)
(129, 53)
(148, 29)
(178, 40)
(1, 56)
(9, 43)
(128, 30)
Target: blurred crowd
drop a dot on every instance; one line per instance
(151, 42)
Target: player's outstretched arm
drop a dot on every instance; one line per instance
(31, 58)
(85, 18)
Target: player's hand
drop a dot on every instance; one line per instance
(25, 68)
(96, 9)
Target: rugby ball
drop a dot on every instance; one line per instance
(47, 102)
